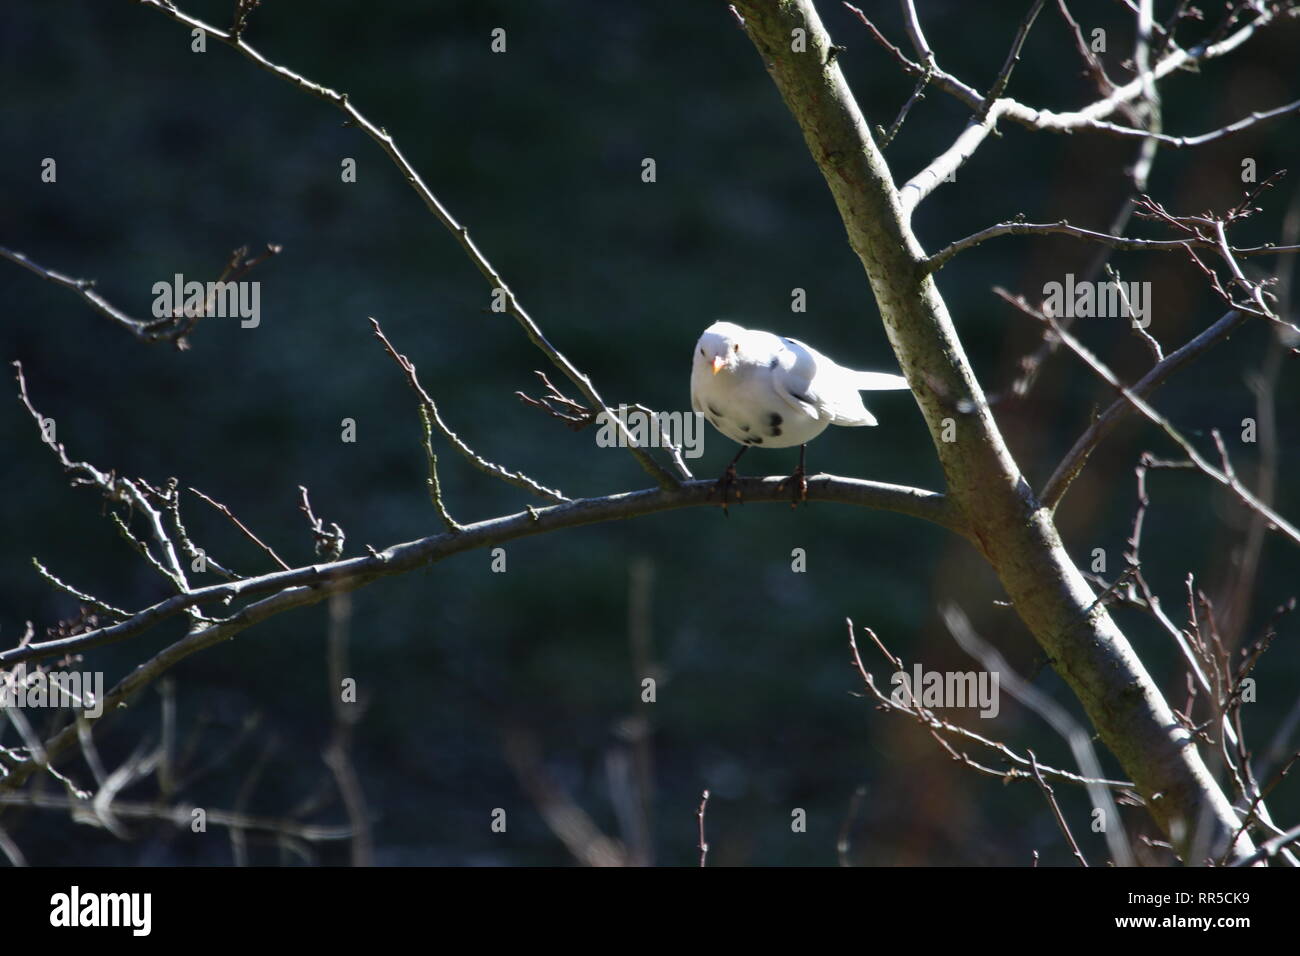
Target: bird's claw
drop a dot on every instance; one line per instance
(724, 486)
(800, 481)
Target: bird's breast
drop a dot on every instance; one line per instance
(748, 411)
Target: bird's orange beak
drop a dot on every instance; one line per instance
(717, 364)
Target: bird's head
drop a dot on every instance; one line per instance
(721, 347)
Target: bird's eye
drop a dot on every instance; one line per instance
(736, 347)
(701, 351)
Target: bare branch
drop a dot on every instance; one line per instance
(1182, 142)
(1063, 228)
(990, 113)
(312, 583)
(171, 328)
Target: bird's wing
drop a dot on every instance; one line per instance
(792, 375)
(828, 387)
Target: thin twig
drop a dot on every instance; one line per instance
(1013, 57)
(242, 527)
(435, 485)
(83, 597)
(170, 499)
(937, 727)
(558, 405)
(699, 815)
(329, 543)
(171, 328)
(918, 94)
(516, 478)
(1183, 142)
(1056, 811)
(1094, 65)
(1063, 228)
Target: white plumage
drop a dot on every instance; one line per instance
(766, 391)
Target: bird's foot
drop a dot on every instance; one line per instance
(724, 486)
(799, 483)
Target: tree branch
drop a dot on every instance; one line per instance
(304, 586)
(171, 328)
(309, 584)
(939, 259)
(990, 111)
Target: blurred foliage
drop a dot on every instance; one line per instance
(168, 159)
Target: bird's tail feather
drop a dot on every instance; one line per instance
(878, 381)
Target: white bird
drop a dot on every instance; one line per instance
(764, 390)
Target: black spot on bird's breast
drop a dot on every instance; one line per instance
(774, 419)
(753, 441)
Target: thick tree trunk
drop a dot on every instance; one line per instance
(1004, 519)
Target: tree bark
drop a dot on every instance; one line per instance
(1003, 517)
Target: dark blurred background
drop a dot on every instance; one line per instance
(169, 159)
